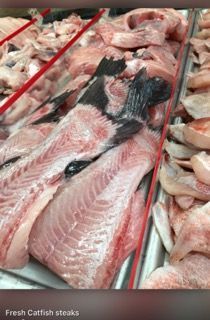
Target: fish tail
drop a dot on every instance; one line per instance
(59, 100)
(50, 117)
(138, 97)
(56, 101)
(143, 92)
(95, 95)
(110, 67)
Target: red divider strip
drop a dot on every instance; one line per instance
(33, 79)
(154, 177)
(25, 26)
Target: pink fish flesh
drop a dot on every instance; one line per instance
(85, 241)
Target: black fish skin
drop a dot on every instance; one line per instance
(9, 162)
(95, 95)
(12, 47)
(54, 115)
(161, 91)
(47, 118)
(56, 101)
(110, 67)
(75, 167)
(143, 92)
(10, 64)
(107, 67)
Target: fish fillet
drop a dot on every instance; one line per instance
(88, 219)
(161, 222)
(197, 105)
(177, 182)
(190, 273)
(84, 133)
(194, 234)
(23, 141)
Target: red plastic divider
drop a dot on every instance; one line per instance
(24, 27)
(33, 79)
(154, 177)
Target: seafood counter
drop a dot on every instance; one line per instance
(78, 148)
(180, 217)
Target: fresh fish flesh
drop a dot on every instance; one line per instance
(23, 142)
(176, 131)
(177, 182)
(183, 163)
(3, 135)
(194, 234)
(197, 133)
(161, 222)
(184, 202)
(178, 216)
(85, 60)
(190, 273)
(199, 80)
(201, 166)
(91, 240)
(83, 134)
(10, 80)
(143, 27)
(154, 69)
(179, 151)
(203, 34)
(157, 115)
(197, 105)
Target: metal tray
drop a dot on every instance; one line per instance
(37, 276)
(154, 252)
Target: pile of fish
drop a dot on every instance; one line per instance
(20, 60)
(183, 222)
(70, 177)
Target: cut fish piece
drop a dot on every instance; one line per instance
(194, 234)
(179, 151)
(178, 182)
(199, 80)
(204, 58)
(199, 45)
(86, 241)
(117, 37)
(178, 216)
(167, 21)
(83, 134)
(10, 80)
(197, 133)
(85, 60)
(197, 105)
(204, 66)
(19, 109)
(23, 142)
(157, 115)
(184, 202)
(201, 166)
(10, 24)
(190, 273)
(203, 34)
(3, 135)
(154, 69)
(181, 112)
(183, 163)
(176, 131)
(161, 221)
